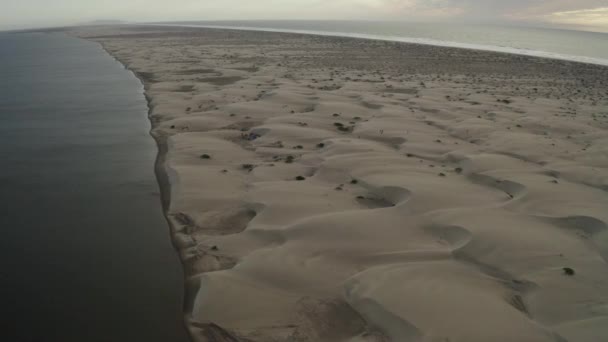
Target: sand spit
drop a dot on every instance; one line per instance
(335, 189)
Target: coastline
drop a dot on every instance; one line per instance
(410, 40)
(190, 287)
(164, 184)
(207, 329)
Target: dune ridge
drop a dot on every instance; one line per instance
(335, 189)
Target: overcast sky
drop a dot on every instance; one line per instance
(583, 14)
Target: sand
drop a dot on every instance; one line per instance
(336, 189)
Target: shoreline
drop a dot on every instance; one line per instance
(164, 184)
(398, 196)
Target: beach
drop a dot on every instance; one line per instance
(341, 189)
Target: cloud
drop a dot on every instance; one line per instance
(587, 17)
(580, 13)
(414, 8)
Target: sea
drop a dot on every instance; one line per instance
(85, 250)
(580, 46)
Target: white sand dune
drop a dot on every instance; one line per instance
(334, 189)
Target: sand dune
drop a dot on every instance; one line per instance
(329, 189)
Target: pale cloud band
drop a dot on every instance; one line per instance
(590, 17)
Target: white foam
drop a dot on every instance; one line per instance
(425, 41)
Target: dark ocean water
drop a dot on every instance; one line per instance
(589, 47)
(85, 250)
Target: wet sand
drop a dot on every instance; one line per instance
(338, 189)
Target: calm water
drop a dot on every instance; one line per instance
(563, 44)
(85, 251)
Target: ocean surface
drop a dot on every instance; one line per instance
(85, 251)
(588, 47)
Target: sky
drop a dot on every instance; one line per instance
(577, 14)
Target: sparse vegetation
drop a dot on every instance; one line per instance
(248, 167)
(300, 178)
(568, 271)
(343, 128)
(205, 156)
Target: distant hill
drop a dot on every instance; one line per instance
(41, 30)
(65, 28)
(105, 22)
